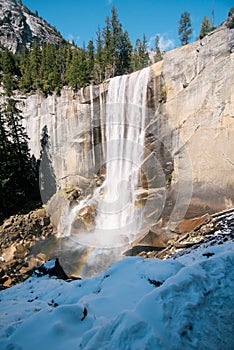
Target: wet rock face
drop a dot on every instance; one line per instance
(18, 235)
(19, 26)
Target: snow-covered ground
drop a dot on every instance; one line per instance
(185, 303)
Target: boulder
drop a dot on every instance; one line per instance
(8, 253)
(54, 269)
(84, 220)
(20, 251)
(9, 282)
(192, 224)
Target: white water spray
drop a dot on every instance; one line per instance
(118, 219)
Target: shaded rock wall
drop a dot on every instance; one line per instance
(190, 126)
(74, 127)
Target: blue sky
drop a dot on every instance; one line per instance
(79, 19)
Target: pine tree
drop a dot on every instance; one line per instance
(117, 47)
(72, 73)
(77, 71)
(50, 69)
(83, 79)
(65, 57)
(8, 65)
(9, 83)
(25, 82)
(34, 66)
(205, 27)
(18, 180)
(116, 42)
(158, 55)
(230, 20)
(125, 54)
(90, 62)
(9, 71)
(99, 59)
(144, 54)
(19, 139)
(135, 56)
(140, 57)
(185, 29)
(108, 49)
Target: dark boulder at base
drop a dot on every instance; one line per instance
(53, 268)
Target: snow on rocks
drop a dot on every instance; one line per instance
(185, 303)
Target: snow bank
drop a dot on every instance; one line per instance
(136, 304)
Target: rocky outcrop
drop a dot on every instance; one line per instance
(218, 229)
(20, 27)
(201, 232)
(19, 236)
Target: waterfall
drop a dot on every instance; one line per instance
(118, 219)
(125, 124)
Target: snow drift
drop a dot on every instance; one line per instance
(185, 303)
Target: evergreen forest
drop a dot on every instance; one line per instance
(50, 67)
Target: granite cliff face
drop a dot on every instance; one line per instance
(199, 80)
(190, 130)
(19, 27)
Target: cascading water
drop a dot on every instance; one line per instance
(125, 123)
(118, 218)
